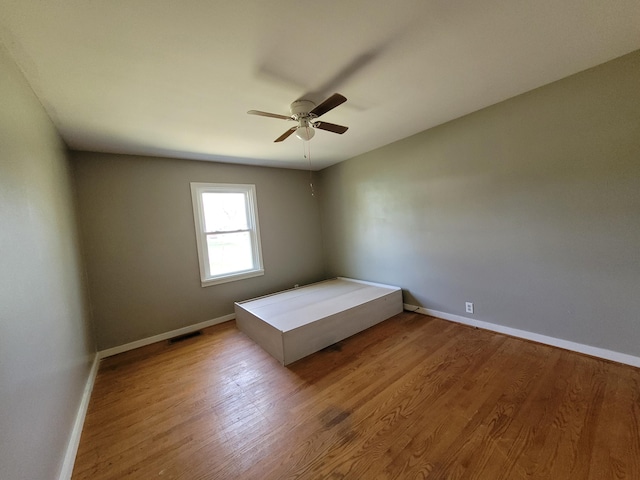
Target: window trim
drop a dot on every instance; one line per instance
(197, 189)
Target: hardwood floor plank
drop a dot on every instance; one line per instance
(525, 436)
(382, 399)
(371, 377)
(480, 446)
(618, 433)
(413, 392)
(412, 397)
(437, 429)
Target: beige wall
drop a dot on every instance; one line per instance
(46, 344)
(529, 208)
(138, 232)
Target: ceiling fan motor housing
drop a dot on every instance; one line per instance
(301, 108)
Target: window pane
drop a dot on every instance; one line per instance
(229, 252)
(227, 235)
(224, 211)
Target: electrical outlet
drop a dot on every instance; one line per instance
(469, 307)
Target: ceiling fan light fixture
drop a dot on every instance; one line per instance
(305, 132)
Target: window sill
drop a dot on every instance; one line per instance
(231, 278)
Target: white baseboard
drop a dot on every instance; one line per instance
(164, 336)
(76, 432)
(514, 332)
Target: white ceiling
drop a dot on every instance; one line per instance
(176, 78)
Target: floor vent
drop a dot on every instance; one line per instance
(186, 336)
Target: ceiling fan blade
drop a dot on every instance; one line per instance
(267, 114)
(285, 135)
(329, 104)
(331, 127)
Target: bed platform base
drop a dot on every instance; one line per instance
(295, 323)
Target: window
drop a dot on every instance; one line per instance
(227, 234)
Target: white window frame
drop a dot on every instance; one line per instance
(197, 189)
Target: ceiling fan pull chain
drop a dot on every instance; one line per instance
(307, 147)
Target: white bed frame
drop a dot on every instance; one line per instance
(295, 323)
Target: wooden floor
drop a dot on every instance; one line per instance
(413, 397)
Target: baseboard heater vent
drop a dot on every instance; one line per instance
(186, 336)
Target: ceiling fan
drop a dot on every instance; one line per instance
(306, 114)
